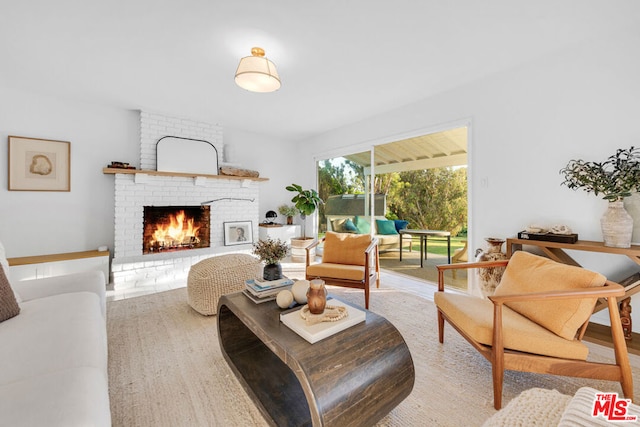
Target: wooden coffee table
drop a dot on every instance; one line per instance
(354, 377)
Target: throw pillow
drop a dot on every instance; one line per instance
(343, 225)
(386, 226)
(529, 273)
(8, 305)
(400, 224)
(363, 225)
(342, 248)
(350, 227)
(337, 225)
(5, 264)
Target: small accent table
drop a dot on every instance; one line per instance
(424, 236)
(354, 377)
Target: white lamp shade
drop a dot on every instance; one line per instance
(257, 74)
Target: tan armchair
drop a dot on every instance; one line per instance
(535, 320)
(349, 260)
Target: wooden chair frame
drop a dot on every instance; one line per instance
(371, 268)
(502, 359)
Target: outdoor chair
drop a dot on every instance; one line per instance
(349, 260)
(535, 320)
(460, 255)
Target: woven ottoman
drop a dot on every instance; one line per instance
(213, 277)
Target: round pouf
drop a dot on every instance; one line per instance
(211, 278)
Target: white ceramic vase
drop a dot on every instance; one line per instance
(617, 226)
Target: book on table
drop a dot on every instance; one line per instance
(270, 284)
(316, 332)
(267, 292)
(256, 299)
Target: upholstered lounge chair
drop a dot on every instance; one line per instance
(535, 320)
(349, 260)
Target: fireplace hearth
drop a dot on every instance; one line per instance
(175, 228)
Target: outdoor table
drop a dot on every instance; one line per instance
(424, 236)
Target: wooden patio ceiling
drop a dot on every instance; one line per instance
(436, 150)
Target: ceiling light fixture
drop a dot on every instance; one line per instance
(256, 73)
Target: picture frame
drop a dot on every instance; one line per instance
(238, 233)
(39, 164)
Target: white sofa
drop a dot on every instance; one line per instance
(53, 354)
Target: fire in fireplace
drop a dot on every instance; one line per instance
(174, 228)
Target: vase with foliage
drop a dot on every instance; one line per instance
(271, 252)
(615, 178)
(289, 211)
(306, 201)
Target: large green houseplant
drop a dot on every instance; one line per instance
(306, 201)
(615, 178)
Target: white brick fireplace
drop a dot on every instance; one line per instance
(130, 268)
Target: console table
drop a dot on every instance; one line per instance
(354, 377)
(556, 251)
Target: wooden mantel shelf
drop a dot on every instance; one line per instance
(114, 171)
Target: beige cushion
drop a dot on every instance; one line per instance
(475, 317)
(344, 248)
(8, 305)
(528, 273)
(336, 271)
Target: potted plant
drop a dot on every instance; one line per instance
(289, 211)
(615, 178)
(306, 202)
(271, 252)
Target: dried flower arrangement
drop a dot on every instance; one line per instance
(271, 251)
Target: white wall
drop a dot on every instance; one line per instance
(527, 123)
(275, 159)
(34, 223)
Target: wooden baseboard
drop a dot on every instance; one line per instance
(601, 334)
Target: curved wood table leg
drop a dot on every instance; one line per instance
(354, 377)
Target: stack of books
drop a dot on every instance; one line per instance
(258, 290)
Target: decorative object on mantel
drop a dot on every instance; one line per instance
(490, 277)
(271, 252)
(558, 233)
(178, 154)
(233, 171)
(120, 165)
(289, 211)
(615, 178)
(39, 164)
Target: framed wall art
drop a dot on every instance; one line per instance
(238, 233)
(39, 164)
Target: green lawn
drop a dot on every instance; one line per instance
(435, 246)
(438, 246)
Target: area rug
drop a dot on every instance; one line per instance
(410, 266)
(166, 368)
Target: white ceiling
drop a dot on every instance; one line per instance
(340, 61)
